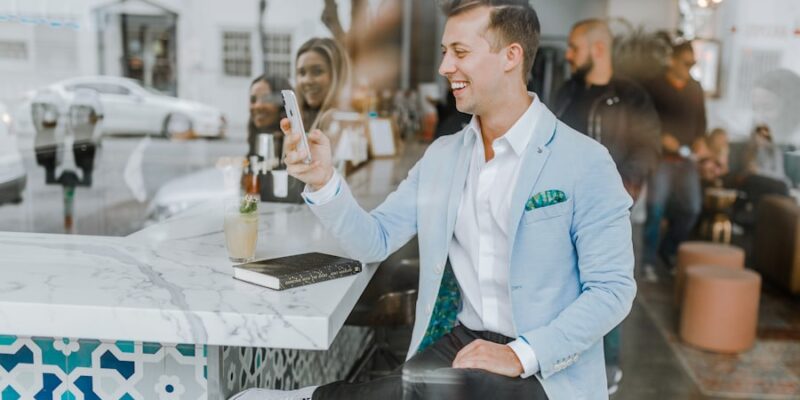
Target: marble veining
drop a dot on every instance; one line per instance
(172, 282)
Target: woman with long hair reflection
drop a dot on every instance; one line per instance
(266, 110)
(323, 82)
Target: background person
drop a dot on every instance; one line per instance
(266, 110)
(674, 190)
(617, 113)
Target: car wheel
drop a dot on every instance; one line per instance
(177, 126)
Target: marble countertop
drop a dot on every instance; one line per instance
(172, 282)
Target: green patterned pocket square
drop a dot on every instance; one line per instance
(544, 199)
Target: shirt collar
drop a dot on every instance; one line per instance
(519, 135)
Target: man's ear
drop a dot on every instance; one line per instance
(514, 56)
(598, 49)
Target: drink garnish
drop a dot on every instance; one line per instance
(249, 204)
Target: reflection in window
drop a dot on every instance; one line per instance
(102, 88)
(13, 50)
(56, 48)
(278, 54)
(236, 54)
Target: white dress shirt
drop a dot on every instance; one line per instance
(479, 251)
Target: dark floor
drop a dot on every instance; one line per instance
(650, 369)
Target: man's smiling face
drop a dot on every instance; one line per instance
(474, 70)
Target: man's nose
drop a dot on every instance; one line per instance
(447, 67)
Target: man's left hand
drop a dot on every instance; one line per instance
(488, 356)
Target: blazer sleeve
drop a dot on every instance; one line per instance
(601, 233)
(372, 236)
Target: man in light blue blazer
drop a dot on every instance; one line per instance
(523, 229)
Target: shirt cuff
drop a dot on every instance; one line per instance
(326, 193)
(524, 351)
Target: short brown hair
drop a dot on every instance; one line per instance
(514, 21)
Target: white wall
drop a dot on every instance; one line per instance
(557, 17)
(18, 78)
(746, 27)
(653, 14)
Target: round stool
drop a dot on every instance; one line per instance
(720, 311)
(704, 253)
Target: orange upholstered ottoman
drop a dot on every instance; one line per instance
(704, 253)
(720, 309)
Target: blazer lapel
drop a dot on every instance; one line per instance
(533, 162)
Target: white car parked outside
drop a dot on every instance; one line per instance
(131, 109)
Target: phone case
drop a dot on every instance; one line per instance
(293, 113)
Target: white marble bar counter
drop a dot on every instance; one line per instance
(172, 282)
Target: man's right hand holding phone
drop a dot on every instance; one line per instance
(320, 171)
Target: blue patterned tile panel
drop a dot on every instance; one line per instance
(49, 384)
(10, 394)
(125, 368)
(71, 369)
(22, 356)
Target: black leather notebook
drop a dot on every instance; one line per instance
(298, 270)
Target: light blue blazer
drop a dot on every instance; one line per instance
(571, 273)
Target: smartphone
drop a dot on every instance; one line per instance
(293, 113)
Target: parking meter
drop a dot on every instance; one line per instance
(46, 110)
(84, 117)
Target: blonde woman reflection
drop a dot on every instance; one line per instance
(323, 78)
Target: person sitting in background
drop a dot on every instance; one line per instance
(762, 173)
(323, 82)
(712, 157)
(763, 157)
(266, 110)
(763, 168)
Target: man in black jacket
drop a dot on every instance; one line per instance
(614, 111)
(617, 113)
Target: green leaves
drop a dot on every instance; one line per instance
(249, 204)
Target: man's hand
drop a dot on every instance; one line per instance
(320, 171)
(488, 356)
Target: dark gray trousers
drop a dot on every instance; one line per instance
(428, 375)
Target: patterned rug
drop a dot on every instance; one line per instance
(770, 370)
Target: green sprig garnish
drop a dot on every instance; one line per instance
(249, 204)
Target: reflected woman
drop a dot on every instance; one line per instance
(266, 110)
(323, 78)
